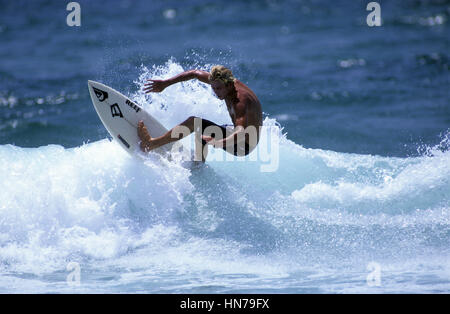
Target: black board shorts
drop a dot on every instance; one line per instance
(237, 150)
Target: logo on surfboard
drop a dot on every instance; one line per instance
(132, 105)
(123, 141)
(115, 111)
(101, 95)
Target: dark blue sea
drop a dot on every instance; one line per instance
(355, 197)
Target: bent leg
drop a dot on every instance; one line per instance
(180, 131)
(177, 133)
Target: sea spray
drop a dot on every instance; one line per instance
(165, 225)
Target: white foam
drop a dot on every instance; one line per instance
(98, 206)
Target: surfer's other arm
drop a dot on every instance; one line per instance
(157, 86)
(240, 124)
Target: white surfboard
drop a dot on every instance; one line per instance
(120, 116)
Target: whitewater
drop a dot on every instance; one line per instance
(315, 221)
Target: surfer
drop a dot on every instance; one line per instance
(242, 104)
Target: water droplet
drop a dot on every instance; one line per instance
(170, 14)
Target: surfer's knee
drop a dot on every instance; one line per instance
(189, 122)
(191, 119)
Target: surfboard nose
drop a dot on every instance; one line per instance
(91, 83)
(95, 84)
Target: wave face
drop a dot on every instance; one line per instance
(316, 223)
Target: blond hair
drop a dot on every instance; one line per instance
(219, 72)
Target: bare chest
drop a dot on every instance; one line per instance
(231, 110)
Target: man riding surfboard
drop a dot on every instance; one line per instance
(242, 104)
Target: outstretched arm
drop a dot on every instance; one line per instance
(157, 86)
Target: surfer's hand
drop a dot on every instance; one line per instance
(208, 139)
(155, 86)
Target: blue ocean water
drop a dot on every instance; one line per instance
(358, 201)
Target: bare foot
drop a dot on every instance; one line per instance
(144, 135)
